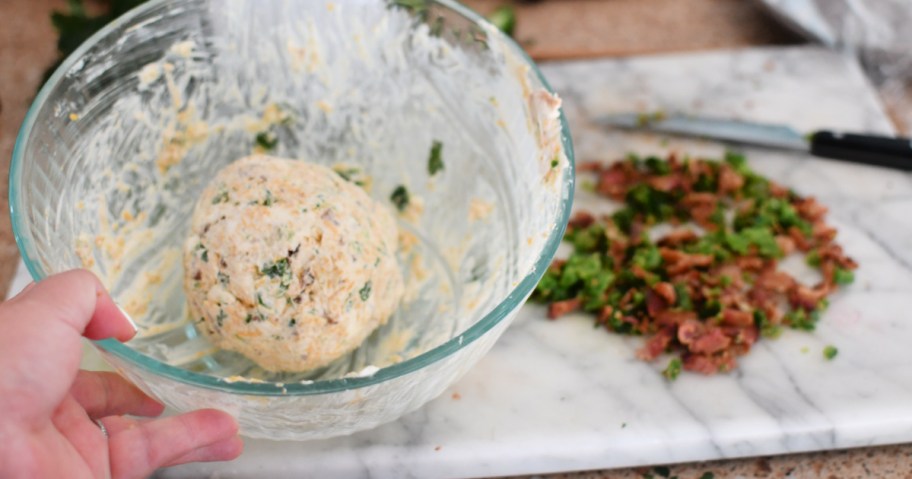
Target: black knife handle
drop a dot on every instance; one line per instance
(866, 149)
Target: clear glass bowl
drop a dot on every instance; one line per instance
(124, 136)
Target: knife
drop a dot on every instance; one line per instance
(891, 152)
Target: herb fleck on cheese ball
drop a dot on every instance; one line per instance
(289, 264)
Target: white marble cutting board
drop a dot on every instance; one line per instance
(560, 396)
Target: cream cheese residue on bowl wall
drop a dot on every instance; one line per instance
(468, 235)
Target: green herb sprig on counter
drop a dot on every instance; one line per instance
(266, 141)
(504, 18)
(75, 25)
(400, 198)
(435, 158)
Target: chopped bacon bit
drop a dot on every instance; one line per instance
(678, 237)
(639, 272)
(750, 263)
(786, 244)
(747, 336)
(712, 341)
(778, 191)
(734, 317)
(679, 261)
(589, 166)
(798, 237)
(689, 331)
(730, 271)
(604, 314)
(776, 281)
(808, 298)
(656, 345)
(673, 318)
(666, 291)
(581, 219)
(823, 233)
(655, 304)
(729, 180)
(560, 308)
(831, 256)
(810, 209)
(695, 199)
(708, 364)
(664, 183)
(612, 183)
(700, 363)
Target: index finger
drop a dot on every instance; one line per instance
(40, 339)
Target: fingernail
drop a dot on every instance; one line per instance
(129, 319)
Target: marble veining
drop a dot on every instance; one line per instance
(559, 396)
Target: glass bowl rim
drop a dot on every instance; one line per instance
(513, 300)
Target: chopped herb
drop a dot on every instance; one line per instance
(738, 162)
(266, 140)
(279, 269)
(400, 198)
(276, 269)
(220, 317)
(292, 322)
(659, 167)
(222, 197)
(708, 475)
(813, 258)
(623, 219)
(259, 299)
(767, 329)
(801, 319)
(347, 174)
(365, 291)
(587, 240)
(830, 352)
(673, 369)
(706, 184)
(253, 317)
(269, 200)
(222, 278)
(682, 297)
(435, 159)
(204, 253)
(554, 163)
(843, 276)
(647, 257)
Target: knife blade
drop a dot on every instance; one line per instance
(854, 147)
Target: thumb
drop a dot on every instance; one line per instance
(40, 337)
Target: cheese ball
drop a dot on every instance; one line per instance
(289, 264)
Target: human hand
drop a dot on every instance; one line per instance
(48, 406)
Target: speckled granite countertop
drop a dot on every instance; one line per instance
(549, 29)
